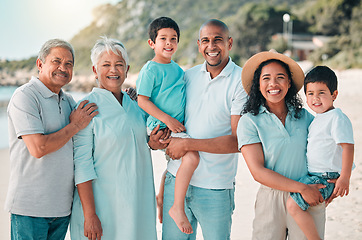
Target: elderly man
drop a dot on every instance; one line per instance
(42, 123)
(214, 100)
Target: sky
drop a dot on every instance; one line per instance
(26, 24)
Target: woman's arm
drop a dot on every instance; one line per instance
(254, 157)
(92, 224)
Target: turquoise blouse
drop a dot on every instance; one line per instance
(284, 147)
(112, 151)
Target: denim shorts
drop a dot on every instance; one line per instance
(316, 178)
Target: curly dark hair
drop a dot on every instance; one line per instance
(256, 99)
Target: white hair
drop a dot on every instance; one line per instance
(108, 44)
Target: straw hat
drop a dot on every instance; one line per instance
(253, 63)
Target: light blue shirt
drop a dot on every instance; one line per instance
(284, 147)
(210, 103)
(165, 86)
(113, 152)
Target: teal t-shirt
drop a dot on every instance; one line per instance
(284, 147)
(165, 86)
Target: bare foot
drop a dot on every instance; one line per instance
(181, 220)
(159, 200)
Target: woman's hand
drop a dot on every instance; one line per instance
(312, 195)
(93, 227)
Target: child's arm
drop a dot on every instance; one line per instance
(342, 183)
(148, 106)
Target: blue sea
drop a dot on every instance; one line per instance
(5, 94)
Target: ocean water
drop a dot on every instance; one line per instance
(5, 95)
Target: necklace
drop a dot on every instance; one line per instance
(282, 116)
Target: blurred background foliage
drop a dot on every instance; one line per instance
(253, 26)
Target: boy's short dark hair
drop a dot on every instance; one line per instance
(162, 22)
(322, 74)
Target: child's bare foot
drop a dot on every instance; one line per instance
(159, 200)
(181, 220)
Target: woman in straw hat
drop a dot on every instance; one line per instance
(272, 136)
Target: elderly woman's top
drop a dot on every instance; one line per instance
(112, 151)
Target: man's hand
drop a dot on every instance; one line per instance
(93, 228)
(157, 135)
(176, 148)
(82, 116)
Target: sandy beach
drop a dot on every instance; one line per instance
(344, 215)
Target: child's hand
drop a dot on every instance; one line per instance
(174, 125)
(342, 187)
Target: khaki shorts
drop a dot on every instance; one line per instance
(272, 220)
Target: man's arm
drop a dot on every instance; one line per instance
(40, 145)
(224, 144)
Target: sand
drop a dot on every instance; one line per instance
(344, 215)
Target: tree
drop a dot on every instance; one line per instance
(252, 28)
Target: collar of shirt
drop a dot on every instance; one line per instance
(44, 91)
(228, 69)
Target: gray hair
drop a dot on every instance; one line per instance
(108, 44)
(53, 43)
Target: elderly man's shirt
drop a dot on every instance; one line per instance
(39, 187)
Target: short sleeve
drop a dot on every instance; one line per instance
(342, 131)
(145, 82)
(239, 99)
(25, 115)
(247, 132)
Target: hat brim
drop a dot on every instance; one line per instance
(253, 63)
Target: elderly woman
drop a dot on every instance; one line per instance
(115, 195)
(272, 136)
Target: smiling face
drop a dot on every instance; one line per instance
(214, 45)
(111, 71)
(319, 97)
(274, 84)
(165, 45)
(57, 69)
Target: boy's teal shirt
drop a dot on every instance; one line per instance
(165, 86)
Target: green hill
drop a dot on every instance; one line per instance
(252, 24)
(129, 19)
